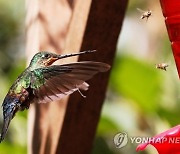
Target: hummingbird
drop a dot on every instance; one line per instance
(42, 82)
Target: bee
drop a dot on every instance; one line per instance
(162, 66)
(145, 14)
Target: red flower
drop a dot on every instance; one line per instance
(167, 142)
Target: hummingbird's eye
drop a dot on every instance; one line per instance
(46, 55)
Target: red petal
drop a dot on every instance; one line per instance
(169, 142)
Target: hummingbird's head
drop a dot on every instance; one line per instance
(43, 59)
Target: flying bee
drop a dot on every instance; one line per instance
(145, 14)
(162, 66)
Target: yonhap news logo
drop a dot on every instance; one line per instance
(121, 139)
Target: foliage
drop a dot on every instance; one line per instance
(11, 64)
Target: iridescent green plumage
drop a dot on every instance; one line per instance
(43, 82)
(23, 81)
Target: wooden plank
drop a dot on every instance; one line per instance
(101, 32)
(93, 25)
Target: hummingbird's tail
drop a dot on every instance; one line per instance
(9, 110)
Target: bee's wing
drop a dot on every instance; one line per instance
(61, 80)
(140, 10)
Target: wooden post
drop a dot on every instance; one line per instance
(62, 25)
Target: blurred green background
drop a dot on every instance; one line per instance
(141, 100)
(12, 62)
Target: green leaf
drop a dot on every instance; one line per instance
(138, 81)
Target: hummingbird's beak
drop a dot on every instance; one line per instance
(75, 54)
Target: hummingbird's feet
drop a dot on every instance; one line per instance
(81, 93)
(24, 106)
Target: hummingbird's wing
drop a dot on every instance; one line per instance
(61, 80)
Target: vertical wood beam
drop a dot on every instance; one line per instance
(101, 32)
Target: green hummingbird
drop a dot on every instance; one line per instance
(43, 82)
